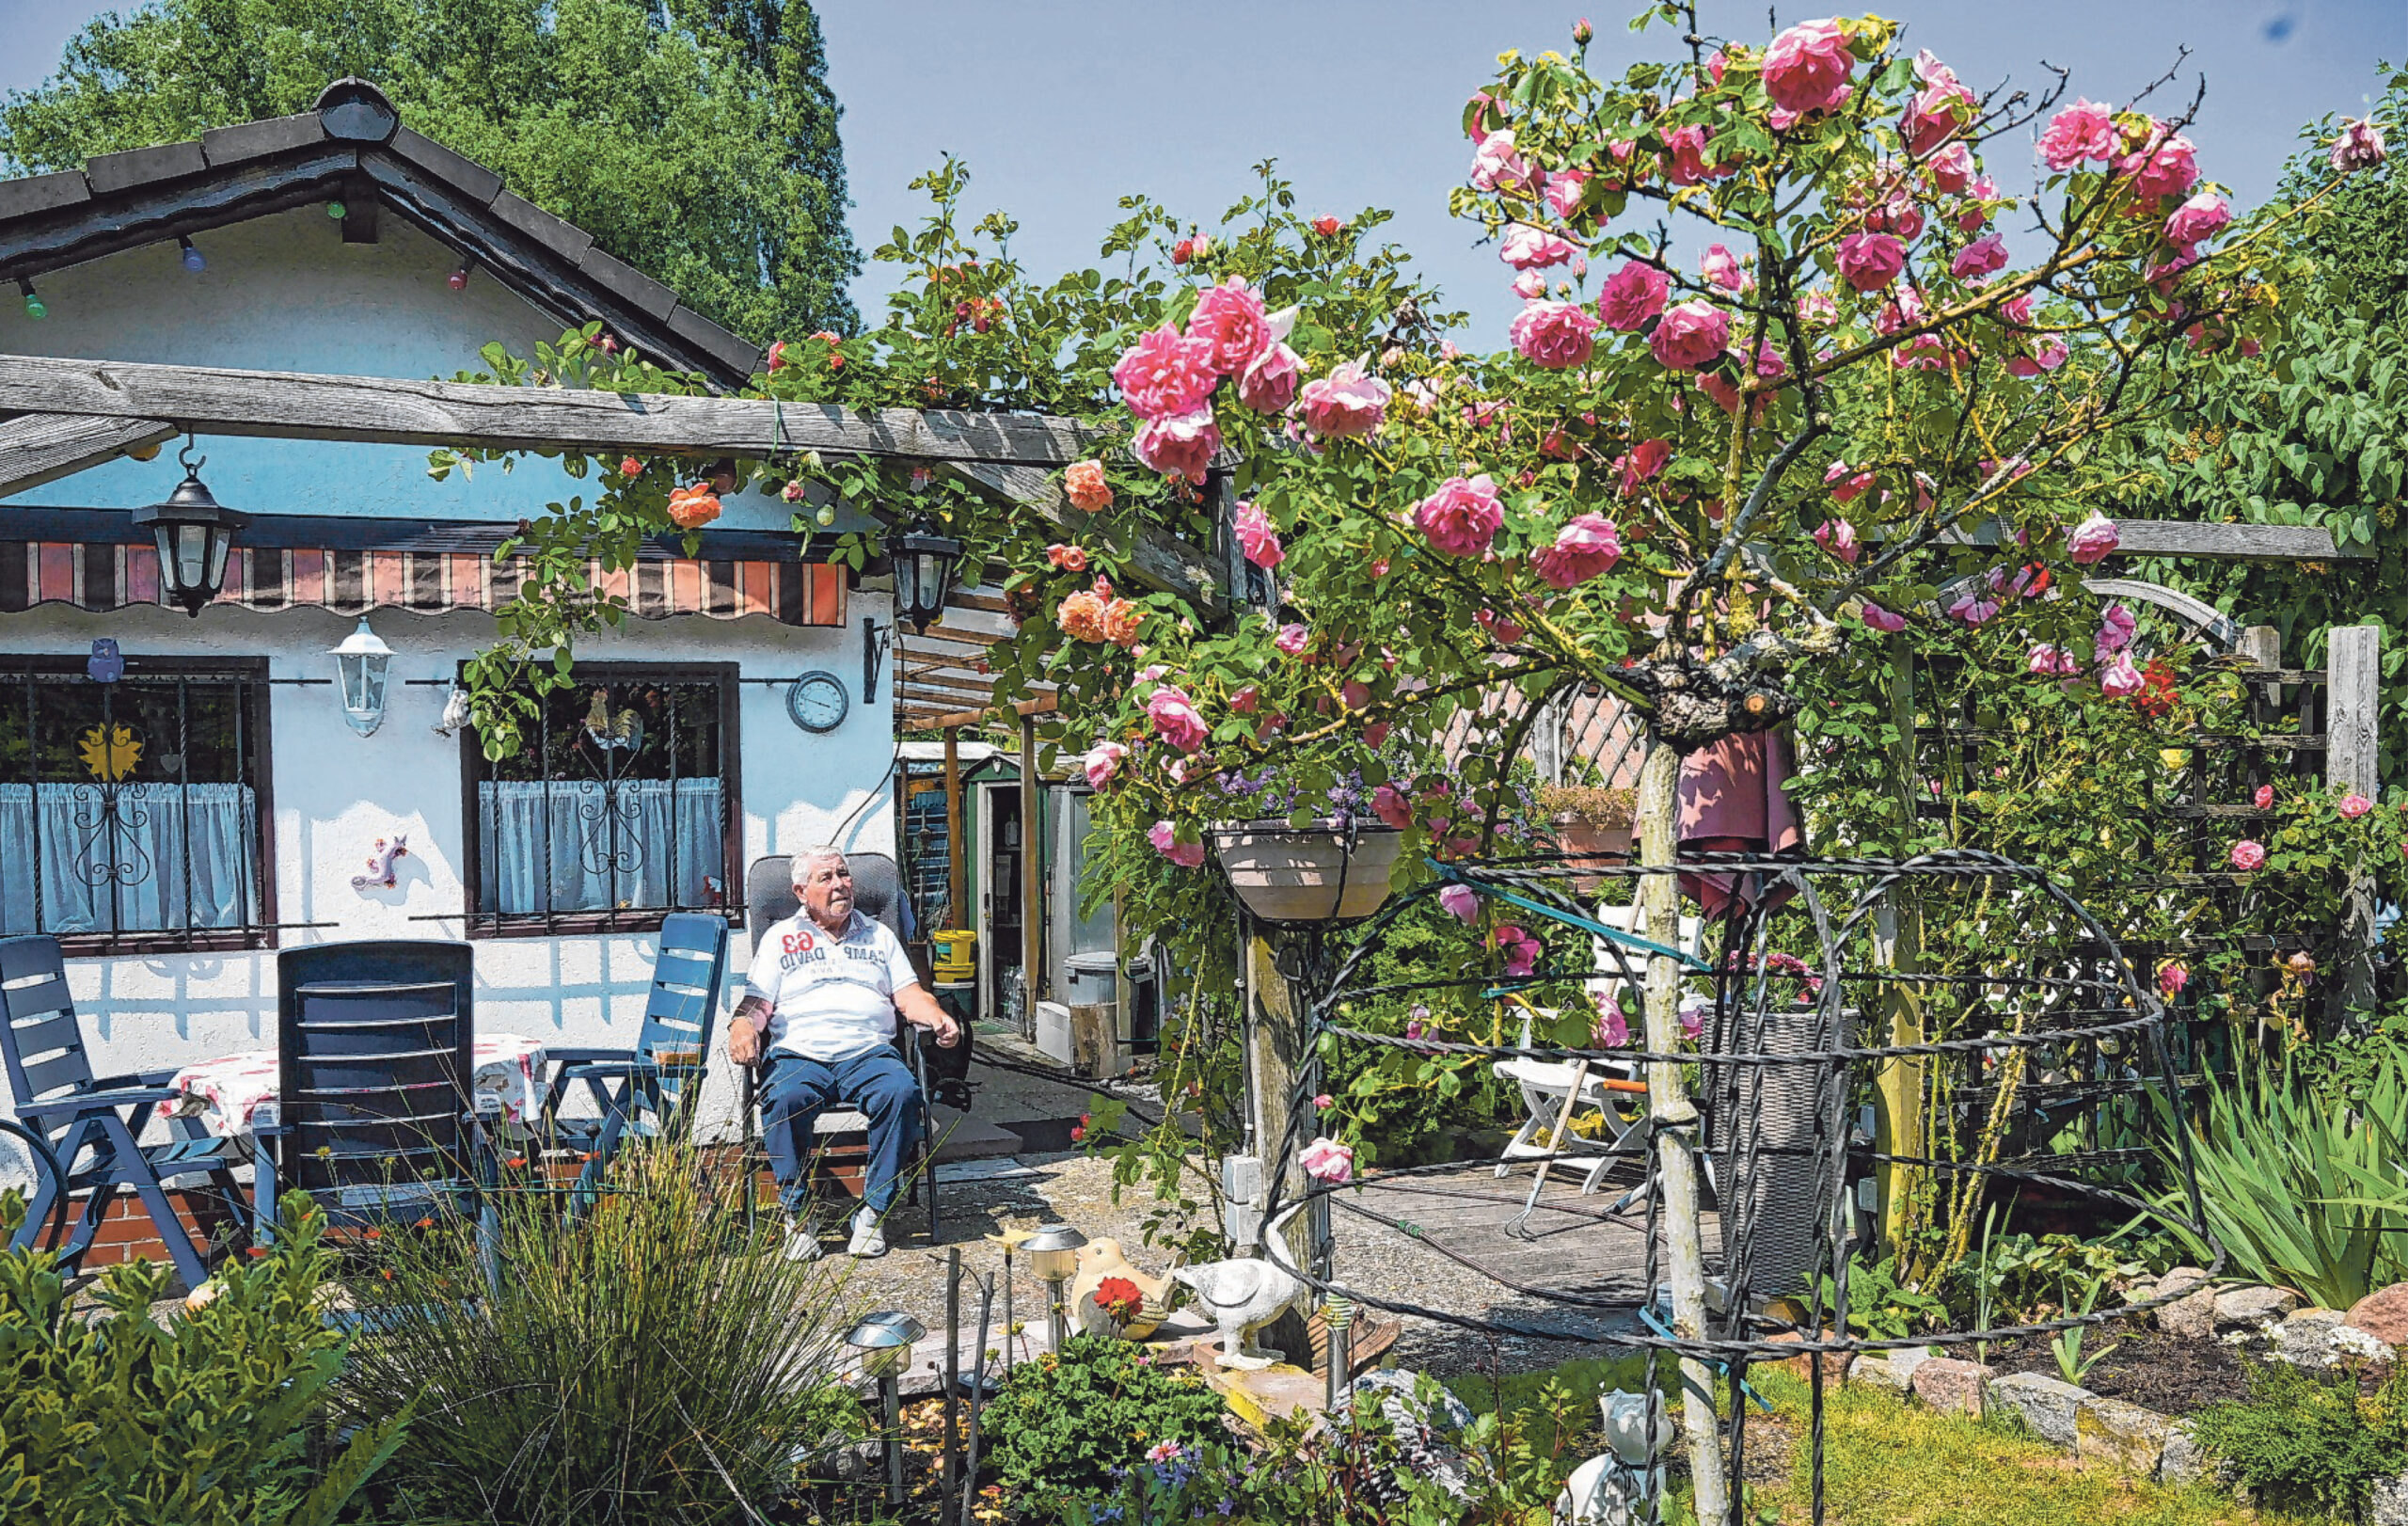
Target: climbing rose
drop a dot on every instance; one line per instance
(1721, 266)
(1939, 108)
(1293, 638)
(690, 508)
(1068, 558)
(1390, 804)
(1269, 382)
(1530, 286)
(1327, 227)
(2120, 679)
(1563, 191)
(1102, 762)
(1690, 335)
(1644, 462)
(1504, 631)
(2248, 855)
(1845, 484)
(1181, 445)
(1688, 165)
(2172, 978)
(1612, 1029)
(1838, 537)
(1952, 170)
(1870, 262)
(2354, 806)
(1520, 949)
(1532, 248)
(1256, 537)
(1175, 719)
(1583, 548)
(2093, 539)
(1972, 607)
(1229, 322)
(1347, 402)
(2082, 130)
(1082, 482)
(1165, 837)
(1881, 619)
(2047, 354)
(2264, 797)
(1555, 335)
(2115, 628)
(1631, 296)
(2201, 218)
(1461, 516)
(1982, 257)
(1494, 165)
(1327, 1160)
(1461, 902)
(2359, 147)
(1163, 375)
(2041, 660)
(1806, 69)
(2168, 166)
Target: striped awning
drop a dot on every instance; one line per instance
(98, 576)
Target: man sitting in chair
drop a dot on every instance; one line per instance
(826, 985)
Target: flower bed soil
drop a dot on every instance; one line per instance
(2165, 1372)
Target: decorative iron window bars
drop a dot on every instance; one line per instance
(620, 807)
(135, 813)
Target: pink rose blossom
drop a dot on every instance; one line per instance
(1693, 1011)
(2120, 679)
(1495, 166)
(1520, 949)
(1721, 266)
(1461, 902)
(1838, 537)
(2048, 352)
(1390, 804)
(1179, 445)
(1690, 336)
(1257, 537)
(1532, 248)
(1881, 619)
(1164, 375)
(1268, 383)
(1165, 837)
(1293, 638)
(1583, 549)
(1104, 761)
(2359, 147)
(1324, 1101)
(2081, 131)
(1631, 296)
(1972, 607)
(2168, 166)
(2354, 806)
(1952, 169)
(1845, 485)
(1980, 259)
(1818, 307)
(1644, 462)
(1611, 1029)
(2115, 628)
(1530, 286)
(1554, 335)
(1348, 403)
(2041, 660)
(1806, 69)
(2264, 797)
(1501, 628)
(1175, 719)
(2093, 539)
(2248, 855)
(1564, 190)
(1229, 322)
(2172, 978)
(2201, 218)
(1870, 262)
(1941, 107)
(1327, 1160)
(1462, 518)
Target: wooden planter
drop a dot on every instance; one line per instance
(1324, 872)
(1591, 842)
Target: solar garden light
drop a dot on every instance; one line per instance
(1338, 1315)
(1053, 1256)
(884, 1340)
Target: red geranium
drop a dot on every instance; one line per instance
(1119, 1298)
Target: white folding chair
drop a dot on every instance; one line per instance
(1554, 1091)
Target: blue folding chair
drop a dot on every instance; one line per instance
(40, 1231)
(93, 1125)
(650, 1089)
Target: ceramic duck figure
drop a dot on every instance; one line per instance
(1240, 1295)
(1103, 1258)
(1613, 1487)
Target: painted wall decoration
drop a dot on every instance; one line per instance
(380, 862)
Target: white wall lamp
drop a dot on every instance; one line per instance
(361, 665)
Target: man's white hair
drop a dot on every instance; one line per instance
(810, 858)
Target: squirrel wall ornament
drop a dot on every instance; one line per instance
(380, 863)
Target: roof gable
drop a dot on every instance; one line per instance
(353, 148)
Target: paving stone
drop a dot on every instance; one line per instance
(2046, 1404)
(2184, 1460)
(2253, 1307)
(2191, 1316)
(2305, 1338)
(1946, 1383)
(2384, 1314)
(2120, 1435)
(1875, 1370)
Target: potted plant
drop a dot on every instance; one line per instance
(1327, 869)
(1591, 825)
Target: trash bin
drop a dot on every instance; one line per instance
(957, 957)
(1092, 979)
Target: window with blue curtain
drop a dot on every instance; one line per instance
(130, 808)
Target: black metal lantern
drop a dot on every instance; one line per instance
(194, 534)
(923, 562)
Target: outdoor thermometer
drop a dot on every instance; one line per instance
(818, 701)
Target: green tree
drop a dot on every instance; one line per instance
(695, 140)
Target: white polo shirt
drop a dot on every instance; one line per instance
(829, 998)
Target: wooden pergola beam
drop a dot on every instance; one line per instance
(1041, 705)
(44, 447)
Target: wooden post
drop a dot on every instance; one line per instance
(2353, 688)
(1276, 1044)
(1032, 891)
(957, 852)
(1898, 1086)
(1674, 1126)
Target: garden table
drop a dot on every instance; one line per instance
(236, 1093)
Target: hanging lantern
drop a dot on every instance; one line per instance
(923, 562)
(360, 664)
(193, 532)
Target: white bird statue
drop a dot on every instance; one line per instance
(455, 712)
(1613, 1487)
(1240, 1295)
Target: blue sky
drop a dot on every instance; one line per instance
(1062, 106)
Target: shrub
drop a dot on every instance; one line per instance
(207, 1420)
(2298, 1439)
(658, 1360)
(1064, 1426)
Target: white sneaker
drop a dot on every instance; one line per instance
(869, 1239)
(802, 1239)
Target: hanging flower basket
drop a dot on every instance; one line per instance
(1329, 870)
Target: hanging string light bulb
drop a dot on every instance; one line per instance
(334, 210)
(34, 305)
(458, 279)
(191, 257)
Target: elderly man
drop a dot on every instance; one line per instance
(826, 985)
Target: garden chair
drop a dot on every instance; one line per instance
(657, 1082)
(374, 1114)
(1553, 1094)
(40, 1231)
(877, 893)
(93, 1125)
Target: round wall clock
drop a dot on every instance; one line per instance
(818, 701)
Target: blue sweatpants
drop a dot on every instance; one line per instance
(797, 1091)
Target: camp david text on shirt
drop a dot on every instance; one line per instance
(829, 998)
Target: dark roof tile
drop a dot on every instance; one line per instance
(140, 167)
(256, 140)
(471, 179)
(738, 354)
(43, 193)
(564, 238)
(646, 296)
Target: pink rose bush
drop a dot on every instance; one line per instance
(2354, 806)
(1528, 248)
(1838, 537)
(2359, 147)
(1461, 902)
(1103, 762)
(1870, 262)
(1555, 335)
(1176, 719)
(1462, 518)
(1327, 1160)
(1230, 322)
(1632, 295)
(1721, 266)
(1806, 66)
(2093, 539)
(2200, 218)
(1179, 445)
(1520, 949)
(1257, 538)
(1165, 837)
(1165, 373)
(1293, 638)
(2248, 856)
(1882, 620)
(1348, 403)
(1689, 336)
(2081, 131)
(1584, 548)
